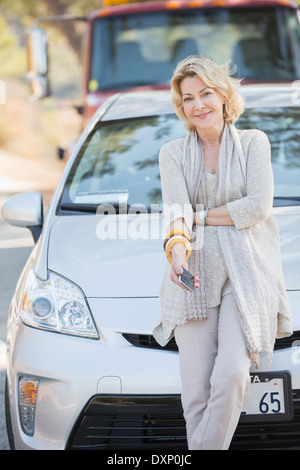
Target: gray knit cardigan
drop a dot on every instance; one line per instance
(251, 248)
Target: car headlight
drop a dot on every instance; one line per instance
(57, 305)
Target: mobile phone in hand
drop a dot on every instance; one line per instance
(187, 280)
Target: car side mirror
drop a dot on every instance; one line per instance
(25, 210)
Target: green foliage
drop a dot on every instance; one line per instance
(12, 56)
(18, 15)
(34, 9)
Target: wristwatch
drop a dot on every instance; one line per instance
(202, 216)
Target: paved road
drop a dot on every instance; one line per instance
(16, 175)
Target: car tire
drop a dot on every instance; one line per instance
(8, 419)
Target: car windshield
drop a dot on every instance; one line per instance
(142, 49)
(118, 163)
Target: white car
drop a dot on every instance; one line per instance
(84, 371)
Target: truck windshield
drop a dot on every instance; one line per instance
(144, 48)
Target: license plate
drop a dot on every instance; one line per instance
(269, 398)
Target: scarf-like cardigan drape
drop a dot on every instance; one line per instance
(251, 253)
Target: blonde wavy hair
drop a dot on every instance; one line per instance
(218, 77)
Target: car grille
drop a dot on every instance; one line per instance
(130, 422)
(148, 341)
(156, 422)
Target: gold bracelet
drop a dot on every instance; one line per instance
(178, 239)
(185, 242)
(174, 233)
(177, 232)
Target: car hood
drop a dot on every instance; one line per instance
(128, 265)
(132, 264)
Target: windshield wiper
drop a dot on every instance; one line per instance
(106, 209)
(94, 208)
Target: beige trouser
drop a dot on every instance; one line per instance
(214, 367)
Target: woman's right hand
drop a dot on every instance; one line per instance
(179, 262)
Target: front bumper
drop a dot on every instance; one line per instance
(156, 422)
(111, 395)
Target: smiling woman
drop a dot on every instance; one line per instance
(222, 181)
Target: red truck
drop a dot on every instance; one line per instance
(137, 45)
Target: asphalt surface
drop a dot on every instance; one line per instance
(17, 174)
